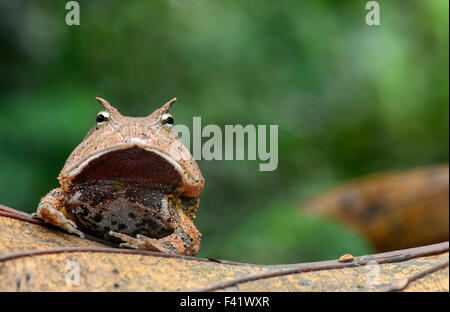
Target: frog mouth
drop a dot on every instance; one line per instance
(131, 164)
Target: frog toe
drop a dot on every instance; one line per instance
(57, 218)
(140, 242)
(128, 245)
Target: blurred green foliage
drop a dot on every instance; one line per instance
(349, 99)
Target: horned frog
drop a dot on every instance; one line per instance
(130, 181)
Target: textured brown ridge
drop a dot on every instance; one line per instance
(34, 257)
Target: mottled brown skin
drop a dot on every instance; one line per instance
(130, 180)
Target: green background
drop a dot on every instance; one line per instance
(349, 99)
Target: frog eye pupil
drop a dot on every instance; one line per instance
(169, 120)
(100, 118)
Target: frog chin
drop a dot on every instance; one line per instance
(131, 162)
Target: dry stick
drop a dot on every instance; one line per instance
(387, 257)
(25, 217)
(13, 211)
(404, 282)
(50, 251)
(14, 214)
(20, 217)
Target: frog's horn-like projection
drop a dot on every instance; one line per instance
(166, 107)
(111, 110)
(157, 114)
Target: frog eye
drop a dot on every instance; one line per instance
(102, 117)
(167, 120)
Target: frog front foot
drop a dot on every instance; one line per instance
(47, 212)
(171, 244)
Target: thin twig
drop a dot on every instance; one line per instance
(20, 217)
(386, 257)
(12, 213)
(404, 282)
(287, 269)
(50, 251)
(27, 218)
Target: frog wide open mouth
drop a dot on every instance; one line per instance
(131, 164)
